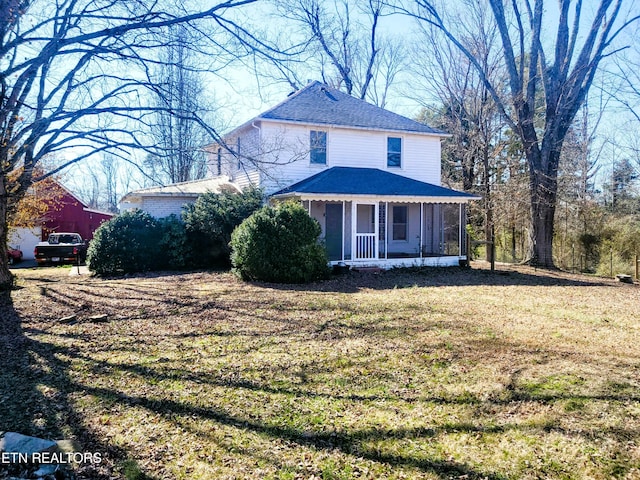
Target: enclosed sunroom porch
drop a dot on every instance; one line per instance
(407, 223)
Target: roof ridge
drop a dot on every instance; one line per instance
(321, 104)
(293, 94)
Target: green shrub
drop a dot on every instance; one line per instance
(611, 265)
(126, 243)
(279, 244)
(211, 220)
(174, 247)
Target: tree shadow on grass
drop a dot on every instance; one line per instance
(351, 443)
(48, 384)
(41, 406)
(36, 396)
(353, 282)
(356, 442)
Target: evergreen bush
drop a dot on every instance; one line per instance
(126, 243)
(175, 248)
(211, 220)
(279, 244)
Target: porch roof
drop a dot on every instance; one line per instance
(369, 182)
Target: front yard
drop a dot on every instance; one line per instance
(436, 374)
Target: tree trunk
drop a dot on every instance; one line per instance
(541, 248)
(543, 208)
(489, 229)
(6, 277)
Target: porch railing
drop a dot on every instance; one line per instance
(365, 246)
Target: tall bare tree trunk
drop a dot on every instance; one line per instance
(543, 184)
(541, 247)
(6, 277)
(489, 229)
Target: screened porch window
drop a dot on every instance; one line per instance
(318, 147)
(394, 151)
(400, 223)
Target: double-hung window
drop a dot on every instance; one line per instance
(394, 152)
(318, 147)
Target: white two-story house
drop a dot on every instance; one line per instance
(370, 177)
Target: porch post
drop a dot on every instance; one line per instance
(344, 236)
(376, 216)
(460, 230)
(354, 229)
(386, 230)
(309, 207)
(421, 227)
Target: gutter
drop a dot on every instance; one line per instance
(354, 127)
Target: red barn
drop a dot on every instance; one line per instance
(72, 215)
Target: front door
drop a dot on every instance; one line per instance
(333, 231)
(365, 244)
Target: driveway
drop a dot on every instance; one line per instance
(24, 264)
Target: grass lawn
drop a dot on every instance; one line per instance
(431, 374)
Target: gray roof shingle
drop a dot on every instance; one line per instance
(369, 181)
(319, 104)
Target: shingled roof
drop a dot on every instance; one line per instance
(319, 104)
(193, 189)
(369, 181)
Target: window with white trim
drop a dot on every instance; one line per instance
(394, 152)
(318, 147)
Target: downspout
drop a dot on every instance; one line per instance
(421, 227)
(344, 235)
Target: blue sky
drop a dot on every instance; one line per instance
(239, 96)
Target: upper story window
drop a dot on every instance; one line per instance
(394, 152)
(318, 147)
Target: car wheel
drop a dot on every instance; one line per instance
(11, 261)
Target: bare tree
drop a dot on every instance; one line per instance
(73, 74)
(179, 92)
(625, 72)
(467, 110)
(389, 65)
(101, 182)
(578, 213)
(560, 71)
(344, 43)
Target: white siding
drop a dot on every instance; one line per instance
(288, 146)
(242, 170)
(160, 207)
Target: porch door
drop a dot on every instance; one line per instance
(366, 245)
(333, 231)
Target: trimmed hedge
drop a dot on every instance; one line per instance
(279, 244)
(126, 243)
(137, 242)
(211, 220)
